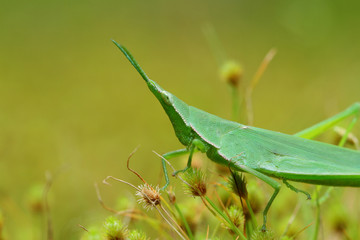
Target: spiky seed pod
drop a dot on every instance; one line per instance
(114, 230)
(137, 235)
(231, 72)
(260, 235)
(197, 182)
(236, 216)
(237, 183)
(149, 196)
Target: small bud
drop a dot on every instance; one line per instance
(231, 72)
(172, 197)
(197, 182)
(149, 196)
(114, 229)
(35, 198)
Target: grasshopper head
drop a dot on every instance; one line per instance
(177, 110)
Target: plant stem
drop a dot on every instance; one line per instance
(317, 223)
(235, 103)
(233, 227)
(253, 219)
(187, 227)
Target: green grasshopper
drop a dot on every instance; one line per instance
(257, 151)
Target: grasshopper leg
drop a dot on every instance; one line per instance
(195, 145)
(296, 189)
(188, 165)
(313, 131)
(274, 184)
(348, 130)
(169, 156)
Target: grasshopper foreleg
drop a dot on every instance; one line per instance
(195, 145)
(188, 165)
(169, 156)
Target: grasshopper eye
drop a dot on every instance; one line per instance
(166, 98)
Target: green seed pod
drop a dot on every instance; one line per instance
(236, 216)
(114, 229)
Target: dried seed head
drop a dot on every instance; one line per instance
(114, 230)
(172, 197)
(148, 196)
(197, 182)
(231, 72)
(237, 184)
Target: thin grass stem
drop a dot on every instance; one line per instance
(233, 227)
(186, 225)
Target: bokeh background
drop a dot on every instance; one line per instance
(71, 104)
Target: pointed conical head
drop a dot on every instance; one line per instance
(177, 110)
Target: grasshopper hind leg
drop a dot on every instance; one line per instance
(315, 130)
(274, 184)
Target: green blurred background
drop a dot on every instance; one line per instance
(70, 103)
